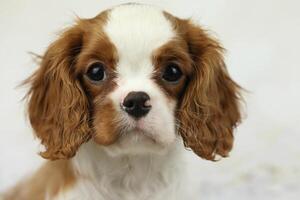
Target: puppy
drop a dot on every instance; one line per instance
(117, 99)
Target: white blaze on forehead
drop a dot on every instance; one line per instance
(136, 31)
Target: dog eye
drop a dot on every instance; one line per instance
(172, 73)
(96, 72)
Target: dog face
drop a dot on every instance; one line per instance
(134, 79)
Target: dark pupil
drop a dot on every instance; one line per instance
(172, 73)
(96, 72)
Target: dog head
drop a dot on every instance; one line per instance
(134, 79)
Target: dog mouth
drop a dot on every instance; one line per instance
(139, 135)
(137, 129)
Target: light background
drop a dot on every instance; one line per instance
(262, 42)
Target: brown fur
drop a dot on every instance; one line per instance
(106, 131)
(175, 51)
(209, 109)
(48, 181)
(59, 108)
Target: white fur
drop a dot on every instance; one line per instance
(146, 163)
(137, 31)
(140, 177)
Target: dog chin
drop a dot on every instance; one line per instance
(138, 142)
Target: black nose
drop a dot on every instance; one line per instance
(135, 104)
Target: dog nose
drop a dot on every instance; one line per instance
(136, 105)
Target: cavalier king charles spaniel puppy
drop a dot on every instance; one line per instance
(116, 101)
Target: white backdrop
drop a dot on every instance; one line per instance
(262, 39)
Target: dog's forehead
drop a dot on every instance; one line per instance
(136, 31)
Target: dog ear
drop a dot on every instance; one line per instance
(58, 107)
(209, 109)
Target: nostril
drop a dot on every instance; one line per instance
(129, 104)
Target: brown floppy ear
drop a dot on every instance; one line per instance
(58, 108)
(209, 109)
